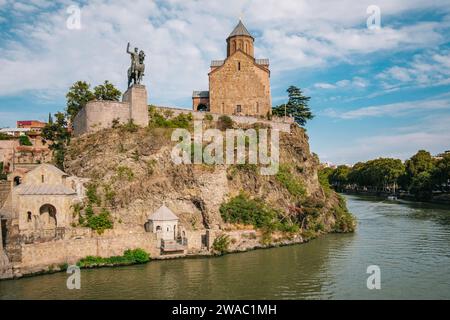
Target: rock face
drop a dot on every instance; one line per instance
(133, 173)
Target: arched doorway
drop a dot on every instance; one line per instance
(47, 217)
(202, 107)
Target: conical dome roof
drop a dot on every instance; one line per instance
(240, 30)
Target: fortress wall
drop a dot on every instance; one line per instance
(38, 256)
(97, 115)
(276, 123)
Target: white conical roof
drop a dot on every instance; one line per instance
(163, 214)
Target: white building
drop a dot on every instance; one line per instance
(15, 132)
(164, 223)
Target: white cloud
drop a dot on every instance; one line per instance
(356, 82)
(392, 109)
(181, 37)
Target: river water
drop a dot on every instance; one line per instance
(410, 242)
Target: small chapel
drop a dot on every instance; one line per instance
(240, 84)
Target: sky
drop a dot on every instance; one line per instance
(375, 92)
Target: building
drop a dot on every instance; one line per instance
(164, 223)
(240, 84)
(15, 132)
(33, 125)
(41, 201)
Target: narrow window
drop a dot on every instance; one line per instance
(42, 178)
(238, 108)
(29, 216)
(239, 66)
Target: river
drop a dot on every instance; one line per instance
(410, 242)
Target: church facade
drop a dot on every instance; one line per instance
(240, 84)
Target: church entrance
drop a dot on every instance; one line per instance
(47, 217)
(202, 107)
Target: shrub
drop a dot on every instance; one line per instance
(285, 177)
(99, 222)
(136, 256)
(209, 117)
(130, 126)
(243, 210)
(221, 244)
(91, 194)
(225, 122)
(25, 141)
(345, 222)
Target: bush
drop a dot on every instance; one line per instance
(125, 173)
(99, 222)
(221, 244)
(136, 256)
(158, 120)
(345, 222)
(225, 122)
(285, 177)
(91, 194)
(25, 141)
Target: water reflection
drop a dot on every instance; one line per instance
(409, 241)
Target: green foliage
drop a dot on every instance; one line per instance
(136, 256)
(225, 122)
(285, 177)
(91, 194)
(345, 222)
(209, 117)
(159, 120)
(324, 176)
(57, 132)
(79, 94)
(107, 91)
(243, 210)
(297, 107)
(25, 141)
(130, 126)
(4, 136)
(221, 244)
(99, 222)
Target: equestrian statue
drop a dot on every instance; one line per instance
(136, 71)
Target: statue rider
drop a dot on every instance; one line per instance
(134, 58)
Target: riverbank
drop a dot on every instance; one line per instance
(330, 267)
(442, 199)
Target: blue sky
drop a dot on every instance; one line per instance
(383, 92)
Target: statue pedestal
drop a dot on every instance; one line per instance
(136, 97)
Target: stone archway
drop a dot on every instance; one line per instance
(47, 217)
(17, 180)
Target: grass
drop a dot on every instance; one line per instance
(288, 180)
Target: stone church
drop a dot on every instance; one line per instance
(240, 84)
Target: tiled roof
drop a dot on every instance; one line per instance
(200, 94)
(51, 168)
(163, 214)
(44, 189)
(217, 63)
(240, 30)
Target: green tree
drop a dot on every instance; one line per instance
(107, 91)
(339, 177)
(79, 94)
(297, 106)
(441, 174)
(59, 135)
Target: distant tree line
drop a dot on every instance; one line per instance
(421, 175)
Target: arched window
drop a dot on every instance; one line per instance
(202, 107)
(17, 180)
(158, 228)
(29, 216)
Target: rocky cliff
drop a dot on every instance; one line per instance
(132, 174)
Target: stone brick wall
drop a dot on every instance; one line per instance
(5, 189)
(97, 115)
(240, 82)
(136, 97)
(40, 255)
